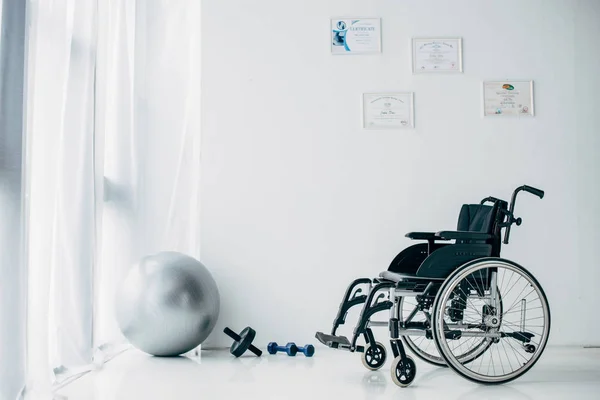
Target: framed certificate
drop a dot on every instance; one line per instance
(437, 55)
(388, 110)
(355, 35)
(508, 98)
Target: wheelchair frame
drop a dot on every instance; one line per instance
(385, 293)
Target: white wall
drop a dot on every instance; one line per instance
(298, 200)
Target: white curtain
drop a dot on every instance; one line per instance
(12, 261)
(149, 124)
(60, 122)
(112, 117)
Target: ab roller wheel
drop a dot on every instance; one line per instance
(242, 342)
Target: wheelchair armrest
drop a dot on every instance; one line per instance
(423, 236)
(463, 235)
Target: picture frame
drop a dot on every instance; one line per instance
(354, 35)
(508, 98)
(391, 110)
(437, 54)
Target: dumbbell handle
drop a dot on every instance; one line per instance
(283, 348)
(237, 338)
(290, 349)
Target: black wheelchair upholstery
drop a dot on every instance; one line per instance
(476, 218)
(477, 235)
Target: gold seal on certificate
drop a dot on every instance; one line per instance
(388, 110)
(508, 98)
(437, 55)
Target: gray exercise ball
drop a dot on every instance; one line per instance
(168, 304)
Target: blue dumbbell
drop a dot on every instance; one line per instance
(290, 349)
(307, 350)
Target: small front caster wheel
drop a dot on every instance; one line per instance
(403, 371)
(529, 348)
(374, 356)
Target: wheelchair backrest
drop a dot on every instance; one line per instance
(484, 219)
(476, 218)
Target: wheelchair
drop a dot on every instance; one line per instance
(453, 301)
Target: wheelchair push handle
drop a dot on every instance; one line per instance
(539, 193)
(511, 218)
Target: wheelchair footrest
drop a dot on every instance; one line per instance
(524, 337)
(335, 342)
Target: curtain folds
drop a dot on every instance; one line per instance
(149, 108)
(13, 275)
(60, 114)
(111, 98)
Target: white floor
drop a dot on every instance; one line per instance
(561, 373)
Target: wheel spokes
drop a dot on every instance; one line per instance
(514, 332)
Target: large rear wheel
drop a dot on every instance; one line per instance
(467, 311)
